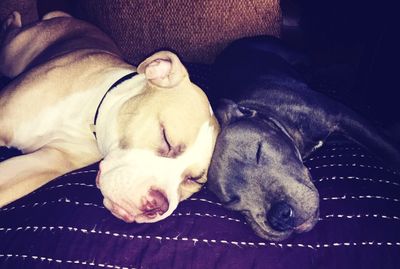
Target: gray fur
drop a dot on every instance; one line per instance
(273, 122)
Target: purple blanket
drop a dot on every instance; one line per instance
(64, 225)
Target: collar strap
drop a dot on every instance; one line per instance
(118, 82)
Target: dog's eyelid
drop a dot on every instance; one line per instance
(196, 178)
(164, 136)
(259, 152)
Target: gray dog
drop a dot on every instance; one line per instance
(274, 122)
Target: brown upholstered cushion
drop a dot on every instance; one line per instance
(196, 30)
(26, 7)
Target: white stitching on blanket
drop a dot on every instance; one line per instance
(205, 200)
(345, 197)
(358, 216)
(47, 259)
(80, 172)
(345, 148)
(206, 241)
(66, 200)
(358, 178)
(337, 156)
(93, 186)
(70, 184)
(355, 165)
(177, 214)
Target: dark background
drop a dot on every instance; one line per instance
(354, 47)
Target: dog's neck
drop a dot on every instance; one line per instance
(106, 116)
(115, 85)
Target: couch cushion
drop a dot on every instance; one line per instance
(197, 30)
(26, 7)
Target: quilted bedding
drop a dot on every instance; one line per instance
(64, 224)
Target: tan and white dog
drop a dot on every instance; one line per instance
(154, 131)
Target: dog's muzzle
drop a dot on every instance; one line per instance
(282, 218)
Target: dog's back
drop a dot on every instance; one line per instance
(57, 34)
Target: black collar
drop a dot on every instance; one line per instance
(118, 82)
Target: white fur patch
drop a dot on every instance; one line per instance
(61, 122)
(127, 175)
(67, 120)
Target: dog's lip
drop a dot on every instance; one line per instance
(308, 224)
(148, 217)
(266, 232)
(263, 230)
(125, 217)
(98, 179)
(118, 211)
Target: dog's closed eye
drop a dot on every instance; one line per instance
(167, 149)
(259, 153)
(199, 179)
(166, 143)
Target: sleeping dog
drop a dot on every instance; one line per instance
(75, 101)
(271, 122)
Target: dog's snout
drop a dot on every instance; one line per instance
(157, 204)
(281, 216)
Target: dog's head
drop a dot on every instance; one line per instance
(256, 169)
(161, 149)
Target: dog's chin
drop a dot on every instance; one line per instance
(266, 232)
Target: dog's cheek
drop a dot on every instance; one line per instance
(187, 189)
(115, 184)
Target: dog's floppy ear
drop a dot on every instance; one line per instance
(163, 69)
(228, 111)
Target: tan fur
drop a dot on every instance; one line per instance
(48, 109)
(32, 170)
(47, 75)
(175, 122)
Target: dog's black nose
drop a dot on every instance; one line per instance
(281, 216)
